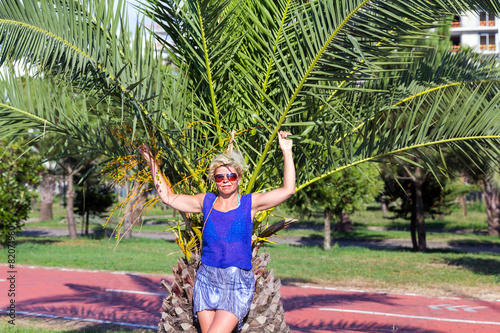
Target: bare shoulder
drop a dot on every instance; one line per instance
(256, 199)
(200, 197)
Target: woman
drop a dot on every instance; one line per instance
(224, 287)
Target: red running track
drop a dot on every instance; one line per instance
(134, 300)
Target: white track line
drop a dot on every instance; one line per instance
(387, 293)
(81, 319)
(135, 292)
(414, 317)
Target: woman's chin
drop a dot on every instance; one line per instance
(227, 190)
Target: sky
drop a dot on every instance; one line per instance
(132, 12)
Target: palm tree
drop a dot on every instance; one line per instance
(250, 68)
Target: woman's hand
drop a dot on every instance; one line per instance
(181, 202)
(285, 144)
(263, 201)
(146, 153)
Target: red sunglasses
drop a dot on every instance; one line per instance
(230, 176)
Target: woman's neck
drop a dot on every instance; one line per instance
(227, 201)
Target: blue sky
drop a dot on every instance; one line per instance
(132, 12)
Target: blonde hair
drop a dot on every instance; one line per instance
(232, 158)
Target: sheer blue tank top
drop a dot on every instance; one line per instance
(227, 236)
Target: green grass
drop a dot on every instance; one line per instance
(468, 229)
(387, 269)
(35, 325)
(343, 266)
(475, 220)
(362, 232)
(155, 220)
(137, 254)
(7, 328)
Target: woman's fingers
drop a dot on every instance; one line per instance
(284, 144)
(284, 134)
(146, 153)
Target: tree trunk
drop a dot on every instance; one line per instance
(328, 232)
(33, 203)
(266, 314)
(463, 201)
(413, 230)
(87, 223)
(419, 210)
(134, 210)
(70, 204)
(383, 205)
(47, 187)
(345, 223)
(492, 202)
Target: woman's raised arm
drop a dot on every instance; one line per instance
(182, 202)
(263, 201)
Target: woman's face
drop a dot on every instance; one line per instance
(224, 179)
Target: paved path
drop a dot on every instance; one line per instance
(134, 300)
(374, 243)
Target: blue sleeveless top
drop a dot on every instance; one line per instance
(227, 236)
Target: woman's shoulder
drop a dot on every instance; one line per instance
(209, 197)
(247, 197)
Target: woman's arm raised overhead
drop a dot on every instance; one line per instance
(182, 202)
(263, 201)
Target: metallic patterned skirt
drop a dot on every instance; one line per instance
(230, 289)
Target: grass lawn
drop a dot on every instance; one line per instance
(433, 273)
(154, 220)
(43, 325)
(455, 227)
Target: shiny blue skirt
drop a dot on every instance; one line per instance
(230, 289)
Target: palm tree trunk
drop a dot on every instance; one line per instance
(47, 187)
(419, 210)
(328, 233)
(492, 201)
(70, 204)
(383, 205)
(133, 211)
(266, 313)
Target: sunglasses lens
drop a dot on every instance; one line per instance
(230, 176)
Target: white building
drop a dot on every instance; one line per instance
(158, 30)
(480, 32)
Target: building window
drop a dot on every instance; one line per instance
(455, 41)
(456, 21)
(487, 42)
(486, 19)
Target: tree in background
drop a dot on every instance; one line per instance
(47, 191)
(338, 195)
(256, 67)
(92, 196)
(19, 178)
(491, 186)
(72, 165)
(418, 193)
(487, 177)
